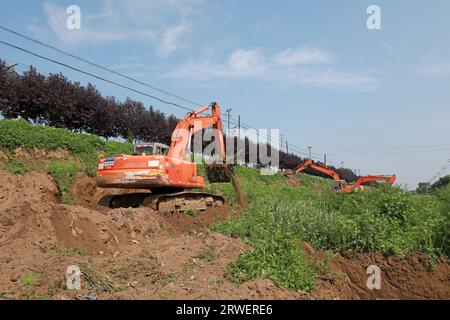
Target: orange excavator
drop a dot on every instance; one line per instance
(374, 178)
(341, 185)
(168, 177)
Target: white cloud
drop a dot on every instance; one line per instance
(162, 23)
(289, 67)
(301, 56)
(172, 39)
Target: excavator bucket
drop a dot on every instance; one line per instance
(219, 173)
(225, 173)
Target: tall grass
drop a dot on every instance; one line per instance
(387, 220)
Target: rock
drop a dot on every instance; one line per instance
(14, 277)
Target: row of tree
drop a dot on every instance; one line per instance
(426, 187)
(56, 101)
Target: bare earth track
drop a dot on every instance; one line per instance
(140, 254)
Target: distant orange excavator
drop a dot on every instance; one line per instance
(341, 185)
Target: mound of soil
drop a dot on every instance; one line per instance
(123, 253)
(412, 277)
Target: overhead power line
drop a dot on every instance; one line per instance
(292, 146)
(93, 75)
(243, 125)
(99, 66)
(394, 152)
(343, 151)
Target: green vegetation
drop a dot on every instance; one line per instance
(88, 148)
(15, 166)
(97, 280)
(28, 283)
(84, 149)
(385, 219)
(425, 187)
(64, 174)
(207, 254)
(130, 214)
(192, 212)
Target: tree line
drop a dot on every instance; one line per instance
(56, 101)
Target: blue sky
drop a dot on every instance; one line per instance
(379, 100)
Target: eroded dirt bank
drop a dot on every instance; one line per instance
(139, 254)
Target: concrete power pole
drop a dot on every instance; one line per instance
(228, 113)
(309, 152)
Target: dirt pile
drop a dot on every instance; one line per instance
(412, 277)
(122, 253)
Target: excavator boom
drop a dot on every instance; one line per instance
(341, 185)
(388, 179)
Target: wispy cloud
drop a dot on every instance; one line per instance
(163, 23)
(288, 67)
(432, 65)
(299, 56)
(433, 69)
(172, 39)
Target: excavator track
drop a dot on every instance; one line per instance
(177, 202)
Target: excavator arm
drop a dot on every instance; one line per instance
(310, 164)
(192, 123)
(389, 179)
(341, 184)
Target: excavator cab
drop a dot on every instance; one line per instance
(150, 149)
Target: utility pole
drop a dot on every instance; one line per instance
(11, 66)
(287, 147)
(228, 112)
(239, 126)
(325, 159)
(309, 151)
(281, 143)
